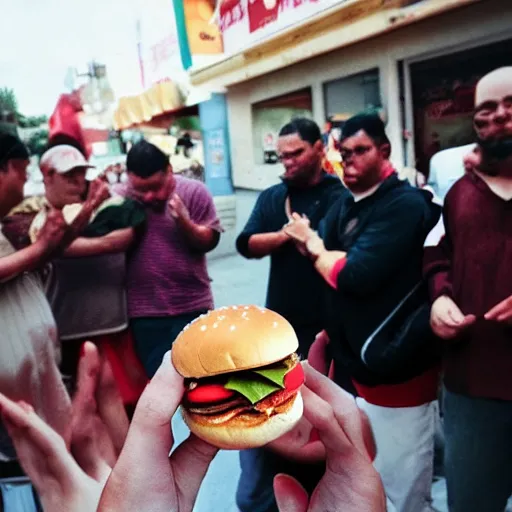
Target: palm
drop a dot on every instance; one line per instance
(350, 482)
(172, 483)
(358, 485)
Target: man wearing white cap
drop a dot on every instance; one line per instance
(86, 286)
(64, 171)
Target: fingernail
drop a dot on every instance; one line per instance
(167, 357)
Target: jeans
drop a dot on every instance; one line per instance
(154, 336)
(478, 453)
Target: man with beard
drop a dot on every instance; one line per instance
(294, 287)
(167, 280)
(371, 254)
(471, 286)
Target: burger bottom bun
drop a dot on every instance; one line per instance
(246, 430)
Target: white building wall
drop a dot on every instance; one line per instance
(478, 24)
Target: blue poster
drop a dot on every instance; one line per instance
(216, 153)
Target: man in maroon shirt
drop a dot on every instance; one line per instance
(470, 277)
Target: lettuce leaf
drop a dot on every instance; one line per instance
(253, 387)
(275, 375)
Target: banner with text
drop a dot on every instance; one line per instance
(245, 23)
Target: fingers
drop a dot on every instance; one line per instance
(150, 436)
(302, 443)
(343, 410)
(110, 407)
(34, 439)
(290, 495)
(454, 317)
(448, 328)
(190, 462)
(369, 439)
(87, 378)
(500, 312)
(468, 320)
(90, 442)
(317, 353)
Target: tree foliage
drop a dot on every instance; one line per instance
(9, 110)
(8, 101)
(38, 142)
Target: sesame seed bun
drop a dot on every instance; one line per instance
(231, 339)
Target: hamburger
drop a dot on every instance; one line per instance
(242, 376)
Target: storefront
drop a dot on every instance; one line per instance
(443, 90)
(417, 64)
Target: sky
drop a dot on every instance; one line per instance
(40, 39)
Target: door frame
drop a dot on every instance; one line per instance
(410, 149)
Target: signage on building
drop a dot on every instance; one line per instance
(204, 37)
(215, 141)
(245, 23)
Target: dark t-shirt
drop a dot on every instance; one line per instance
(295, 289)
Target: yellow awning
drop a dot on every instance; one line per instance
(159, 99)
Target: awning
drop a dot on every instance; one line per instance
(163, 98)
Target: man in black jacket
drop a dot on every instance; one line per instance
(295, 290)
(371, 257)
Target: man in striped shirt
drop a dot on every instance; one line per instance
(167, 280)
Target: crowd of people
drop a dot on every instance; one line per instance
(97, 281)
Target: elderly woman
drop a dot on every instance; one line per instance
(28, 343)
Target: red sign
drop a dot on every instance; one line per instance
(262, 12)
(231, 12)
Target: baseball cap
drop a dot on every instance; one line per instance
(63, 159)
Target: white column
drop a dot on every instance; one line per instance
(390, 90)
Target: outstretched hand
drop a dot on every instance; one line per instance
(145, 477)
(350, 482)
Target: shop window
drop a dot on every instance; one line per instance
(443, 94)
(269, 116)
(348, 96)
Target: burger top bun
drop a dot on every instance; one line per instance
(69, 212)
(232, 338)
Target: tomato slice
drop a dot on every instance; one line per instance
(294, 379)
(209, 393)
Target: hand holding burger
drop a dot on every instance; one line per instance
(242, 376)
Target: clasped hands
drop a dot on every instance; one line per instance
(307, 240)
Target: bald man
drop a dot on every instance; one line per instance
(470, 277)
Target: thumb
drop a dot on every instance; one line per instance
(455, 315)
(290, 495)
